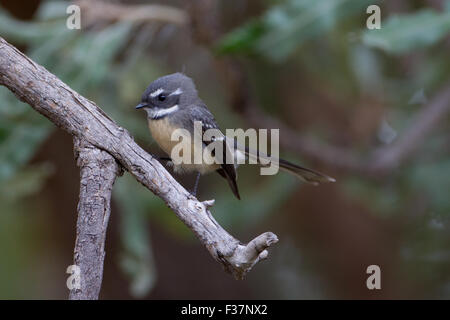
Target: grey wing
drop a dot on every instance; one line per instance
(201, 113)
(228, 171)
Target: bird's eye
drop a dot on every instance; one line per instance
(162, 97)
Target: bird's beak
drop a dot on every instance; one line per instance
(141, 105)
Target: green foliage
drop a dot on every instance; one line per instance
(241, 39)
(26, 182)
(86, 61)
(404, 33)
(83, 61)
(22, 130)
(432, 175)
(285, 27)
(136, 259)
(34, 33)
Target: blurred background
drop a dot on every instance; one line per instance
(368, 107)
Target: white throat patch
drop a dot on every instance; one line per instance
(157, 113)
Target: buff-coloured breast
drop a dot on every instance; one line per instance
(162, 132)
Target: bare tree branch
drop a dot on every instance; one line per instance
(98, 171)
(84, 120)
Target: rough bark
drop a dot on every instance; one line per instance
(98, 171)
(85, 121)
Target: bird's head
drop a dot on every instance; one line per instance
(167, 95)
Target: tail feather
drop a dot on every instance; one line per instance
(305, 174)
(231, 182)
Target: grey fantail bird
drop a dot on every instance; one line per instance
(172, 102)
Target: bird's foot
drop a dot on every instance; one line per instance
(169, 162)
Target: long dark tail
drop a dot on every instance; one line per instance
(231, 181)
(303, 173)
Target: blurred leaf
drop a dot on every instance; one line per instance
(18, 31)
(22, 130)
(90, 56)
(404, 33)
(26, 182)
(136, 260)
(419, 97)
(241, 39)
(283, 28)
(366, 67)
(94, 53)
(432, 180)
(52, 10)
(49, 52)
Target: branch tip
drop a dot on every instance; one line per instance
(208, 203)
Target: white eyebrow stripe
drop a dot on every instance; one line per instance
(176, 92)
(161, 112)
(156, 92)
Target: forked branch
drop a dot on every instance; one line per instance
(85, 121)
(98, 171)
